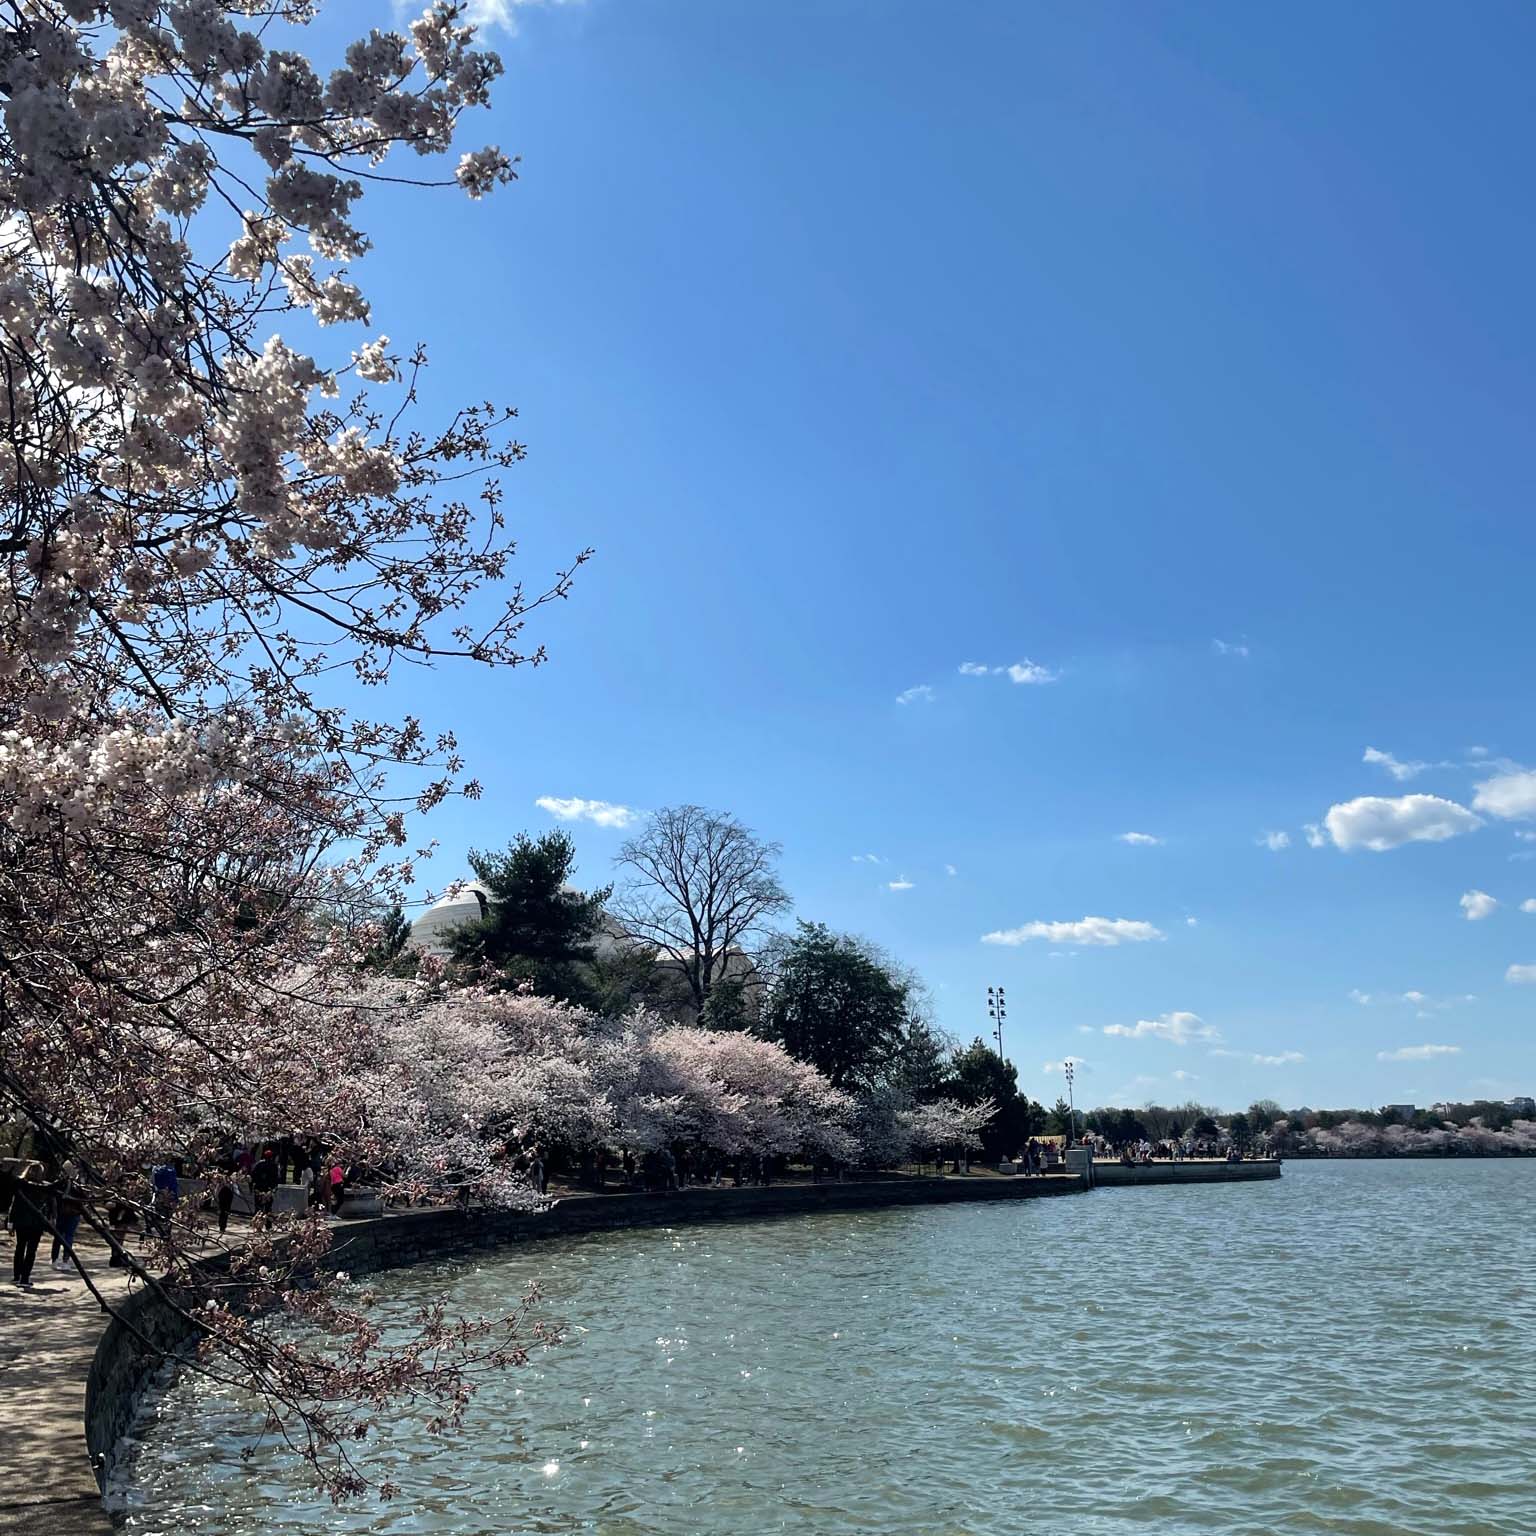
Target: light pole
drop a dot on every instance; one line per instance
(1069, 1069)
(997, 1011)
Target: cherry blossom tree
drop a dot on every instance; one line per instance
(206, 522)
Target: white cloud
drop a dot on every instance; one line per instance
(599, 812)
(1478, 905)
(1140, 839)
(949, 869)
(1025, 671)
(1509, 796)
(1414, 997)
(1316, 837)
(1226, 648)
(1477, 751)
(1418, 1052)
(921, 694)
(1274, 841)
(900, 884)
(1028, 671)
(1521, 975)
(497, 13)
(1529, 904)
(1086, 1029)
(1078, 1065)
(868, 858)
(1175, 1028)
(1526, 837)
(1191, 922)
(1363, 998)
(1181, 1076)
(1380, 822)
(1105, 931)
(1280, 1059)
(1399, 770)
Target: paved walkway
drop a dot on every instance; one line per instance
(48, 1336)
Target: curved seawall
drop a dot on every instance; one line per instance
(145, 1333)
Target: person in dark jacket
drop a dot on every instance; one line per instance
(31, 1213)
(265, 1177)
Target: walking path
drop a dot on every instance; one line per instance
(48, 1336)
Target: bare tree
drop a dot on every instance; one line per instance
(703, 890)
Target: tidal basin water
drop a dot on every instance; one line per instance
(1350, 1349)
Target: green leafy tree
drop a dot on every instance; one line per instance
(839, 1005)
(1239, 1130)
(921, 1058)
(1205, 1129)
(977, 1072)
(538, 928)
(389, 953)
(1059, 1121)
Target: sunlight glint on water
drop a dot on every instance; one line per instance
(1349, 1350)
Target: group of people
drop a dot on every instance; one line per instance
(34, 1201)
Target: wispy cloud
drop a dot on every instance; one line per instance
(1260, 1059)
(1078, 1065)
(867, 858)
(1401, 771)
(899, 884)
(1380, 823)
(1529, 904)
(1521, 975)
(1095, 931)
(1418, 1052)
(1025, 671)
(601, 813)
(1276, 842)
(1229, 648)
(1140, 839)
(949, 869)
(1477, 905)
(922, 693)
(1181, 1076)
(1191, 922)
(1175, 1028)
(497, 13)
(1316, 837)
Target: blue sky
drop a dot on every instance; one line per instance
(1178, 355)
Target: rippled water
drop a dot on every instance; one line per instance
(1350, 1349)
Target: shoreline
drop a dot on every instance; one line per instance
(85, 1394)
(85, 1372)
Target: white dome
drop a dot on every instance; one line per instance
(463, 902)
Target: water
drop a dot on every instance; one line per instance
(1351, 1349)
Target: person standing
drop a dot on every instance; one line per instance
(265, 1177)
(167, 1195)
(224, 1196)
(31, 1208)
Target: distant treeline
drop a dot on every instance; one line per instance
(1482, 1128)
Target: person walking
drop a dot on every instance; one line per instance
(68, 1209)
(31, 1208)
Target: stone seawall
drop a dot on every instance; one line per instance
(1113, 1175)
(146, 1333)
